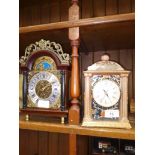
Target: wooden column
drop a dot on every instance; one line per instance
(74, 111)
(72, 144)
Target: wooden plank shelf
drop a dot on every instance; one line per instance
(79, 23)
(77, 129)
(117, 35)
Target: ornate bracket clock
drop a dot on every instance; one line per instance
(45, 70)
(106, 95)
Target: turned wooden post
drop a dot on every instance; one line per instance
(72, 144)
(74, 111)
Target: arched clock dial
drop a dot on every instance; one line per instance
(44, 89)
(106, 93)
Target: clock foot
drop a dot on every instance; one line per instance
(62, 120)
(27, 117)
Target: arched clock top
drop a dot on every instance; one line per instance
(44, 48)
(44, 63)
(106, 65)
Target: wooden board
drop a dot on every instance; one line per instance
(28, 142)
(53, 143)
(54, 11)
(79, 23)
(86, 8)
(64, 6)
(110, 36)
(107, 36)
(83, 145)
(133, 5)
(44, 13)
(111, 7)
(124, 6)
(36, 14)
(43, 143)
(76, 129)
(99, 8)
(23, 142)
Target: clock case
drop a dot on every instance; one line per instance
(62, 60)
(106, 68)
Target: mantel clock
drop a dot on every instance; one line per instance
(45, 71)
(106, 95)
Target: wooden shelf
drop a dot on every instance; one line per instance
(111, 32)
(77, 129)
(79, 23)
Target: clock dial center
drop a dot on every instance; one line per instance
(43, 89)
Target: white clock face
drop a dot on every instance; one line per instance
(44, 89)
(106, 92)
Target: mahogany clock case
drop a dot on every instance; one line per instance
(60, 70)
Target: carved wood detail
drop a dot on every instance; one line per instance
(74, 111)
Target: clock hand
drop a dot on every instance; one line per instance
(107, 96)
(105, 92)
(46, 86)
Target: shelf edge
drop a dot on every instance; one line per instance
(79, 23)
(76, 129)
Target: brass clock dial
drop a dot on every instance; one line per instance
(106, 92)
(44, 90)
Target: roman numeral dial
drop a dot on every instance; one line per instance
(44, 89)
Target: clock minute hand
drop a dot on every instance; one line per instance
(46, 86)
(107, 95)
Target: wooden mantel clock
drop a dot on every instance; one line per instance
(106, 95)
(45, 71)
